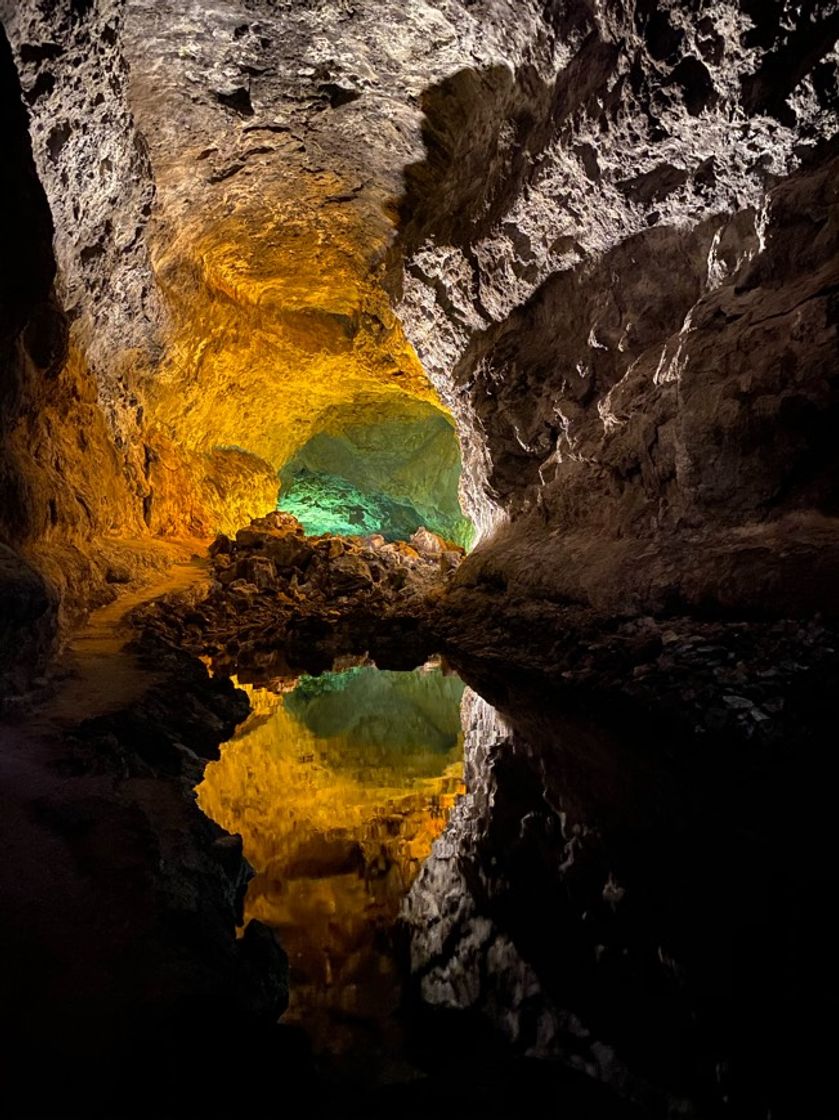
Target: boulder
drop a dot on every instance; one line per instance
(279, 521)
(349, 573)
(258, 570)
(290, 551)
(252, 538)
(424, 540)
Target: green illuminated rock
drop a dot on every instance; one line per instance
(387, 477)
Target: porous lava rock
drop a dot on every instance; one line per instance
(607, 233)
(282, 602)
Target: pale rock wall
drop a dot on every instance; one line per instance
(623, 281)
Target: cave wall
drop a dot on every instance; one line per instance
(71, 453)
(393, 474)
(26, 617)
(253, 157)
(67, 490)
(623, 282)
(223, 216)
(92, 166)
(601, 236)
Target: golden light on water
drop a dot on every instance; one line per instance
(338, 794)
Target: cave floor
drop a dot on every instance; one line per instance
(96, 672)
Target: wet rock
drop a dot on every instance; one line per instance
(280, 595)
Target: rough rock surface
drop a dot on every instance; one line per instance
(283, 602)
(622, 286)
(608, 231)
(62, 480)
(607, 234)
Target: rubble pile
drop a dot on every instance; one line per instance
(284, 602)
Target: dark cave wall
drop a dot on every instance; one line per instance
(32, 342)
(33, 332)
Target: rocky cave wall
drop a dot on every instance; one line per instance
(63, 480)
(224, 216)
(94, 169)
(393, 475)
(622, 277)
(605, 233)
(72, 456)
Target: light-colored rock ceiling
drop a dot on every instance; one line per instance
(277, 136)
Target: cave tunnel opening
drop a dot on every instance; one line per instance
(290, 383)
(370, 467)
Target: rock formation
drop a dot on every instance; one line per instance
(585, 220)
(281, 602)
(599, 239)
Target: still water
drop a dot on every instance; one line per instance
(619, 918)
(339, 786)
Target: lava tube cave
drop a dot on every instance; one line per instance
(419, 540)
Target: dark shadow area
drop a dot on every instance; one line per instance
(484, 132)
(640, 901)
(33, 339)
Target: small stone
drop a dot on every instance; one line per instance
(738, 703)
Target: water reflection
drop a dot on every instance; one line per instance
(617, 898)
(339, 787)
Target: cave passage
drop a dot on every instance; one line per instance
(389, 475)
(293, 291)
(339, 788)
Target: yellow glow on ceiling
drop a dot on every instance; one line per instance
(278, 314)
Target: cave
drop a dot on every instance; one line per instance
(419, 557)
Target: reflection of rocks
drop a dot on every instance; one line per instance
(460, 958)
(636, 901)
(339, 789)
(313, 598)
(762, 679)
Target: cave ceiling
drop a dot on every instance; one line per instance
(278, 219)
